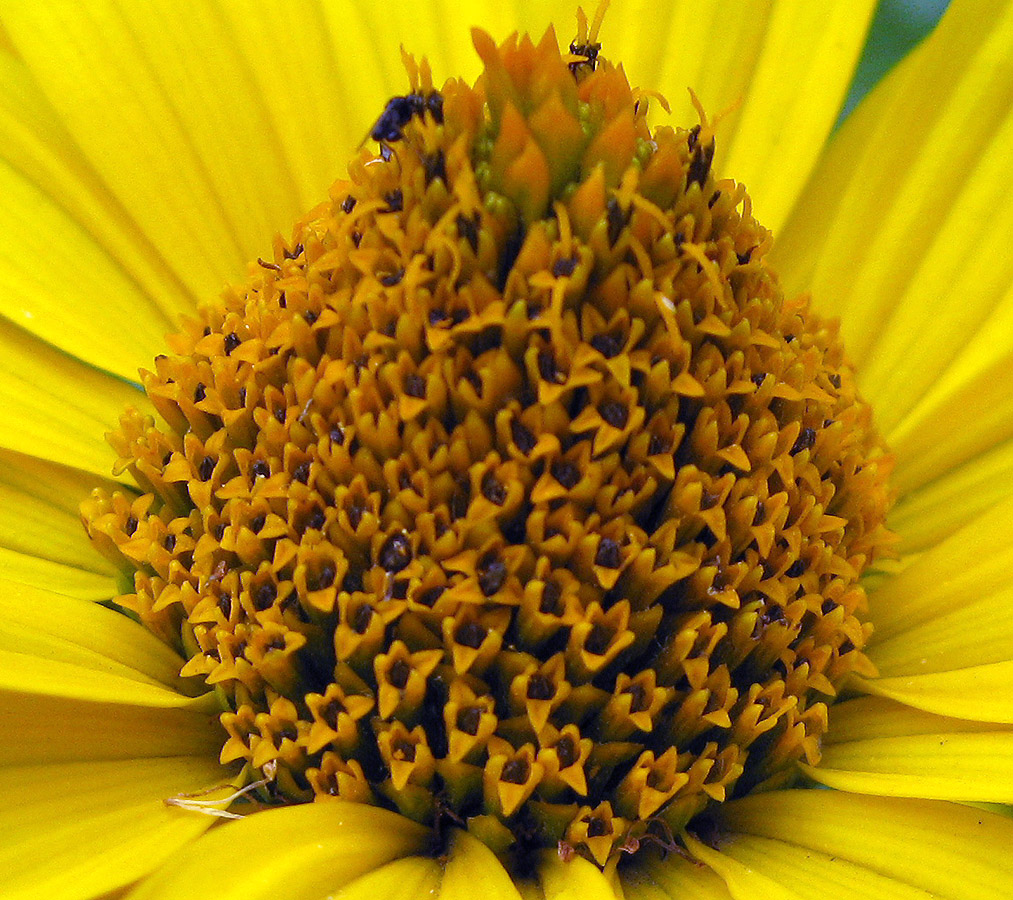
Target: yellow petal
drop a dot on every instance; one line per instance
(55, 407)
(664, 879)
(577, 879)
(410, 878)
(904, 238)
(949, 850)
(73, 582)
(876, 746)
(111, 640)
(305, 851)
(788, 63)
(947, 577)
(39, 511)
(743, 881)
(976, 692)
(473, 871)
(77, 830)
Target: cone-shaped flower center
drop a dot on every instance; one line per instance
(512, 491)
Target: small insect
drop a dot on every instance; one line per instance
(399, 111)
(586, 46)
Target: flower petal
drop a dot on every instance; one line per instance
(877, 746)
(905, 239)
(304, 851)
(404, 879)
(673, 877)
(951, 851)
(77, 830)
(577, 879)
(67, 580)
(788, 63)
(39, 511)
(473, 870)
(743, 881)
(55, 407)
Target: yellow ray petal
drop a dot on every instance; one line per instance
(976, 692)
(743, 881)
(76, 830)
(674, 877)
(949, 850)
(35, 143)
(877, 746)
(893, 235)
(305, 851)
(57, 408)
(39, 511)
(67, 580)
(813, 874)
(110, 637)
(946, 577)
(473, 870)
(577, 879)
(410, 878)
(789, 64)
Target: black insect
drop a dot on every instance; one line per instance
(589, 52)
(399, 111)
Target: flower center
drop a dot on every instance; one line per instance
(512, 492)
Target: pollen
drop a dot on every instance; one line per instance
(512, 493)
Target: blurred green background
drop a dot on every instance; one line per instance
(898, 26)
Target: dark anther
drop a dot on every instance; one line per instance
(257, 523)
(828, 607)
(470, 634)
(540, 687)
(199, 393)
(404, 750)
(547, 367)
(264, 596)
(429, 597)
(398, 674)
(713, 199)
(225, 605)
(638, 698)
(597, 828)
(565, 473)
(395, 200)
(608, 555)
(293, 253)
(325, 577)
(337, 435)
(475, 380)
(772, 614)
(796, 568)
(170, 542)
(399, 588)
(302, 472)
(615, 414)
(743, 258)
(392, 278)
(279, 414)
(549, 604)
(617, 218)
(361, 619)
(835, 380)
(846, 647)
(218, 532)
(282, 300)
(656, 445)
(260, 469)
(700, 163)
(509, 255)
(309, 316)
(435, 166)
(207, 467)
(231, 342)
(598, 640)
(468, 720)
(274, 267)
(130, 526)
(242, 397)
(563, 268)
(522, 437)
(395, 553)
(468, 229)
(805, 440)
(415, 386)
(608, 345)
(492, 575)
(316, 519)
(515, 771)
(348, 204)
(493, 490)
(566, 751)
(758, 378)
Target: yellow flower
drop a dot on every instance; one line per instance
(151, 150)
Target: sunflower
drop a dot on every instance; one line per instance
(524, 505)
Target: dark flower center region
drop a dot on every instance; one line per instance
(512, 493)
